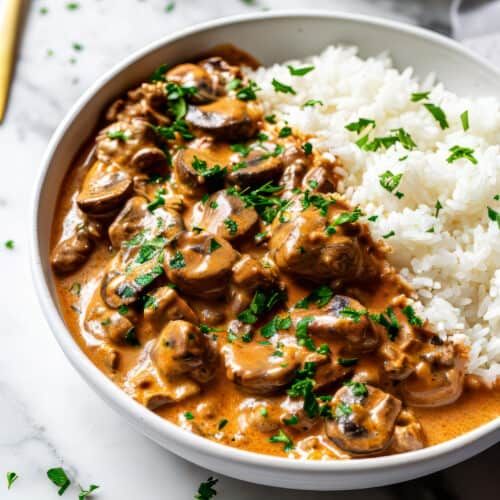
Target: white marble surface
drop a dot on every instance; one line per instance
(48, 416)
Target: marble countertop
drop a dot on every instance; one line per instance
(49, 417)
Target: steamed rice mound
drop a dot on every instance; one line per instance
(449, 255)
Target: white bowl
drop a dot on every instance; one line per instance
(270, 37)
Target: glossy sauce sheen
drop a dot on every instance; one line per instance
(221, 409)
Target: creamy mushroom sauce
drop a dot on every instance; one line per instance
(205, 263)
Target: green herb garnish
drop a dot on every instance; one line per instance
(283, 88)
(59, 478)
(438, 114)
(458, 152)
(300, 71)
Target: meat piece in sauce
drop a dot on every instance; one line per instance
(259, 416)
(295, 417)
(363, 419)
(130, 144)
(164, 305)
(320, 179)
(181, 349)
(259, 167)
(301, 245)
(296, 164)
(104, 190)
(209, 77)
(135, 217)
(226, 119)
(257, 368)
(343, 318)
(148, 101)
(71, 253)
(200, 264)
(248, 275)
(199, 170)
(225, 215)
(408, 434)
(438, 378)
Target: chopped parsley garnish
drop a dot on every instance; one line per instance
(282, 437)
(303, 337)
(438, 207)
(131, 337)
(86, 493)
(149, 302)
(178, 126)
(59, 478)
(277, 323)
(231, 226)
(11, 478)
(323, 349)
(159, 200)
(307, 148)
(148, 278)
(438, 114)
(420, 96)
(126, 292)
(176, 98)
(398, 135)
(150, 249)
(158, 74)
(389, 321)
(348, 217)
(188, 415)
(321, 202)
(458, 152)
(464, 118)
(43, 10)
(119, 135)
(242, 149)
(170, 7)
(347, 361)
(9, 244)
(262, 303)
(285, 132)
(312, 102)
(360, 125)
(202, 168)
(263, 199)
(270, 119)
(123, 310)
(389, 234)
(264, 412)
(320, 296)
(494, 216)
(248, 93)
(496, 197)
(283, 88)
(291, 421)
(72, 6)
(213, 204)
(358, 389)
(177, 261)
(373, 218)
(77, 46)
(214, 245)
(300, 71)
(413, 319)
(206, 489)
(222, 423)
(353, 314)
(342, 410)
(390, 182)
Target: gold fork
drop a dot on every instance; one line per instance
(9, 29)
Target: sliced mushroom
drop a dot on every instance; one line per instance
(199, 170)
(104, 189)
(130, 144)
(213, 214)
(71, 253)
(303, 247)
(342, 318)
(408, 434)
(164, 305)
(181, 349)
(200, 264)
(257, 368)
(148, 102)
(124, 288)
(135, 217)
(363, 419)
(194, 76)
(437, 381)
(106, 323)
(227, 118)
(258, 168)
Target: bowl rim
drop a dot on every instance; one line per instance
(148, 422)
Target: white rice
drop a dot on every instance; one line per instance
(455, 270)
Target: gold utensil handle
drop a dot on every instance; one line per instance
(9, 28)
